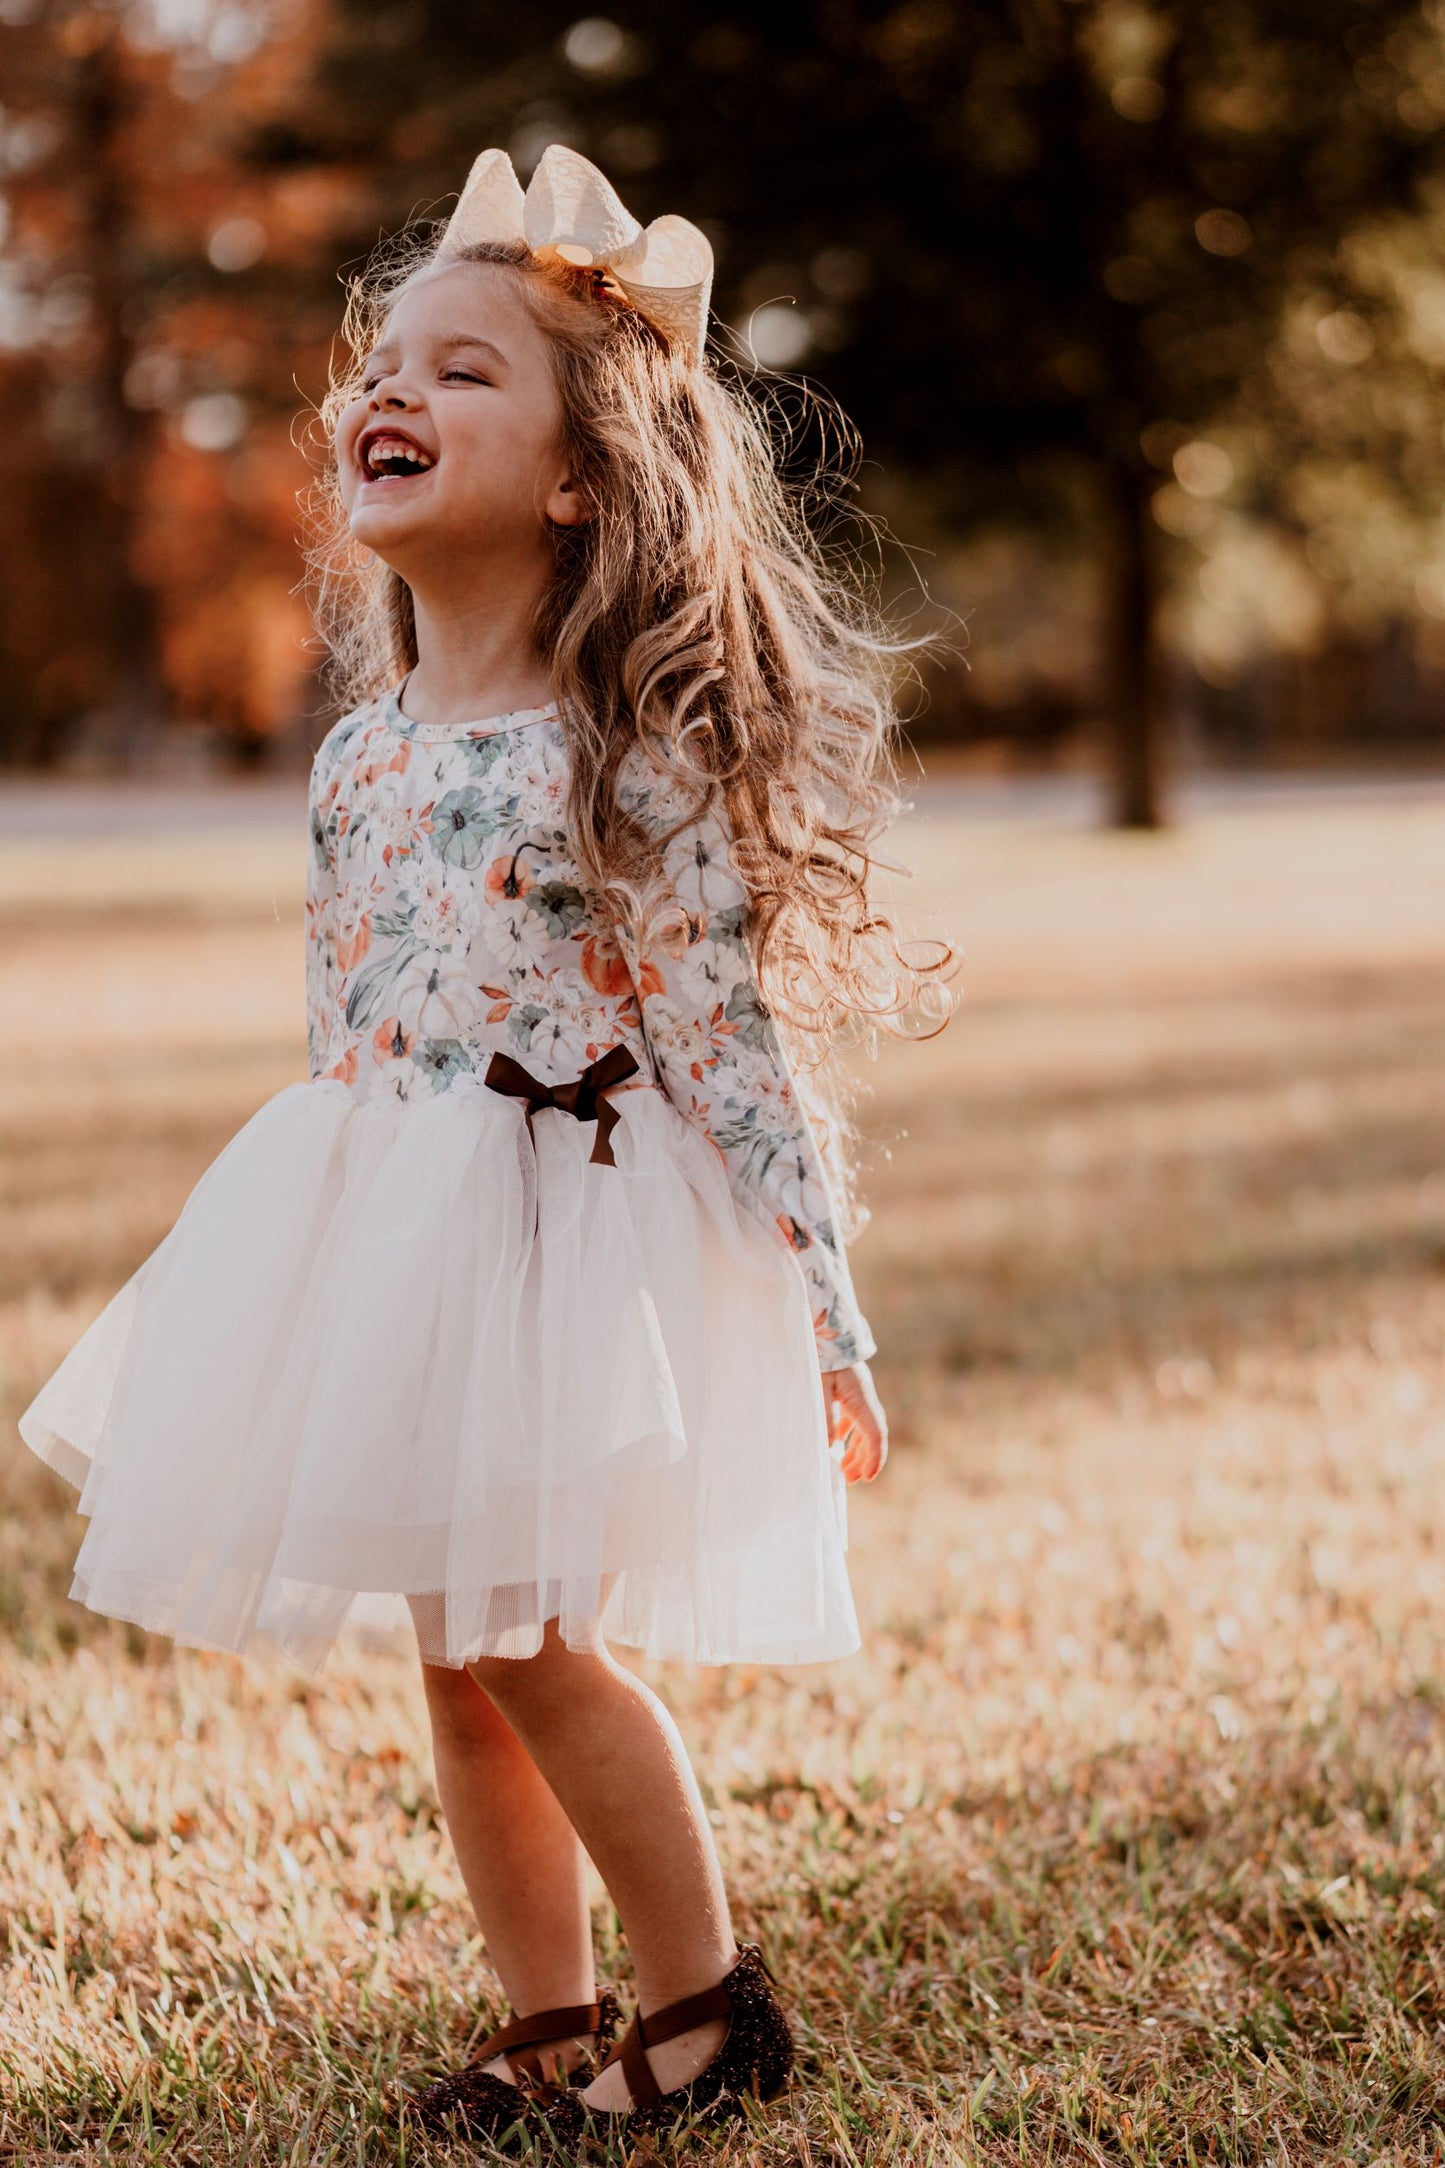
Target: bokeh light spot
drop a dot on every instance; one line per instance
(779, 335)
(1345, 338)
(213, 422)
(236, 243)
(1202, 468)
(598, 46)
(1223, 233)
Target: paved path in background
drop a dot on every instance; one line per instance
(135, 806)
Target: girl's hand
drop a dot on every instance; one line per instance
(856, 1418)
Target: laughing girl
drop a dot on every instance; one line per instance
(529, 1309)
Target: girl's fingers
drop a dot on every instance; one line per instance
(854, 1424)
(864, 1456)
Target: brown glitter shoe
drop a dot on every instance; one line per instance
(755, 2060)
(474, 2102)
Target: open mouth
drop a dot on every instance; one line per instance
(387, 456)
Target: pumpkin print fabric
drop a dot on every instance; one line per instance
(417, 1358)
(445, 921)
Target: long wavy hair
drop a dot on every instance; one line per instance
(701, 615)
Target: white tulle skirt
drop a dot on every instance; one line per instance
(403, 1367)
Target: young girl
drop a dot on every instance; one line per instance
(516, 1310)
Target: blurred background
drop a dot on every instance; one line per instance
(1138, 306)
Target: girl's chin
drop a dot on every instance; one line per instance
(372, 517)
(389, 526)
(384, 496)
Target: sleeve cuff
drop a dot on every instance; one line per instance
(842, 1349)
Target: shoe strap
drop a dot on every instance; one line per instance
(680, 2017)
(534, 2031)
(661, 2025)
(642, 2087)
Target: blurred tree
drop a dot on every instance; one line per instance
(1034, 246)
(141, 523)
(86, 459)
(1148, 278)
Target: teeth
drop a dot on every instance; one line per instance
(395, 448)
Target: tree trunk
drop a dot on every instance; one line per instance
(1131, 656)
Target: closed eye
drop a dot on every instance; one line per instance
(369, 383)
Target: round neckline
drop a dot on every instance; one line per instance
(486, 726)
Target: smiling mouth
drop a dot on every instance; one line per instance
(394, 459)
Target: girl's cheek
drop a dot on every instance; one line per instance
(343, 445)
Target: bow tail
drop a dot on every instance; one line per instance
(607, 1119)
(609, 1068)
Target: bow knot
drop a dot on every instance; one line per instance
(580, 1097)
(572, 210)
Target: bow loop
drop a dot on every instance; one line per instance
(580, 1096)
(573, 208)
(570, 209)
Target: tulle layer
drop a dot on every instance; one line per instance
(408, 1366)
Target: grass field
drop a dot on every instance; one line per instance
(1122, 1840)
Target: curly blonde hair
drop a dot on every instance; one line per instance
(695, 615)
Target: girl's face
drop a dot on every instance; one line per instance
(451, 443)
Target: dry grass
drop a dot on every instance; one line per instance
(1122, 1840)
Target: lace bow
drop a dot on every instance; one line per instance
(571, 210)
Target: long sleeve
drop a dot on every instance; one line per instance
(720, 1061)
(320, 929)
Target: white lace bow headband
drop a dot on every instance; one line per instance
(571, 210)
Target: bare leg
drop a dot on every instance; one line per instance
(523, 1866)
(616, 1763)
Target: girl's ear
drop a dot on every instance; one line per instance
(568, 505)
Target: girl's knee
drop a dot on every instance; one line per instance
(555, 1671)
(461, 1713)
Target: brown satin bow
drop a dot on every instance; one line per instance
(579, 1098)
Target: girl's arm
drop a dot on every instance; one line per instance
(720, 1061)
(320, 910)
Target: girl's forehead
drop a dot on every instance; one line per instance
(457, 298)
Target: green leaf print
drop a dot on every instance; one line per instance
(392, 925)
(372, 980)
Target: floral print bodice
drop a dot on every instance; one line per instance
(445, 921)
